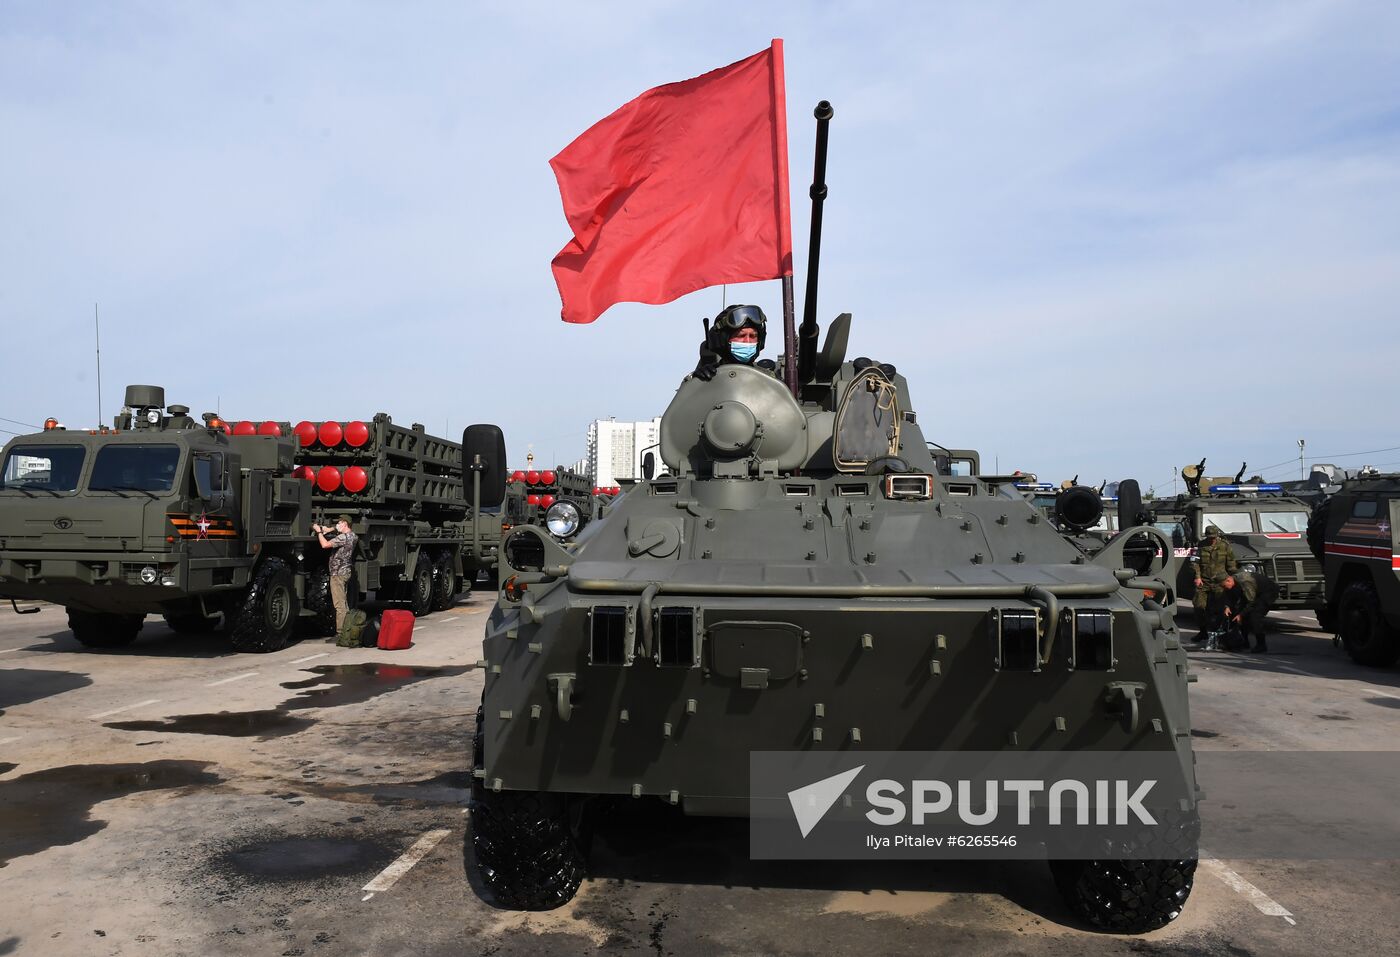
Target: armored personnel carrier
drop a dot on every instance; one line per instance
(711, 611)
(810, 576)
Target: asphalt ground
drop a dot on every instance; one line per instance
(176, 798)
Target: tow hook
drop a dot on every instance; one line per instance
(24, 611)
(1122, 698)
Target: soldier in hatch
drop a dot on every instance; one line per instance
(1214, 556)
(736, 336)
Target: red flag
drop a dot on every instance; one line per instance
(684, 187)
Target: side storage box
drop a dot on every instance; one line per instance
(395, 629)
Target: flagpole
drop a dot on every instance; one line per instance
(784, 197)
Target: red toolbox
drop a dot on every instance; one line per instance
(395, 629)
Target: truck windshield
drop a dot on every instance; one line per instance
(1283, 521)
(1231, 523)
(48, 468)
(137, 468)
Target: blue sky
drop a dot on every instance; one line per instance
(1101, 239)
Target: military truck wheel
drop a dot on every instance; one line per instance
(1125, 896)
(318, 600)
(420, 588)
(444, 583)
(96, 630)
(528, 856)
(1362, 628)
(266, 617)
(192, 623)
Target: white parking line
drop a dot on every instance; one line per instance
(6, 651)
(386, 878)
(129, 707)
(311, 657)
(226, 681)
(1297, 671)
(8, 740)
(1383, 694)
(1262, 902)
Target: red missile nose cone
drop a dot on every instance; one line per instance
(305, 433)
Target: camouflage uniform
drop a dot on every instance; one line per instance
(1211, 560)
(1258, 596)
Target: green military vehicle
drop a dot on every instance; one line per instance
(810, 578)
(1353, 535)
(1265, 527)
(710, 611)
(205, 523)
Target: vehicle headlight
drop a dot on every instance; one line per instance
(562, 519)
(150, 575)
(1250, 567)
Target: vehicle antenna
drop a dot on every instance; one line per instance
(97, 327)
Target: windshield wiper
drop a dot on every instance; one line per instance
(16, 488)
(1278, 526)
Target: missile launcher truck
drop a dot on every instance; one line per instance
(559, 500)
(207, 523)
(806, 577)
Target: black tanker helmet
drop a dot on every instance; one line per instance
(734, 318)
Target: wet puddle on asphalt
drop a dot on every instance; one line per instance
(53, 807)
(329, 686)
(305, 858)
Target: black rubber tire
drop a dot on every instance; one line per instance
(321, 622)
(420, 587)
(445, 586)
(1129, 504)
(1125, 896)
(1317, 530)
(98, 630)
(192, 623)
(527, 855)
(267, 616)
(1362, 628)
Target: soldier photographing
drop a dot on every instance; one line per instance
(342, 563)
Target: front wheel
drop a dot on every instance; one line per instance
(1362, 627)
(97, 630)
(528, 855)
(1125, 896)
(266, 617)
